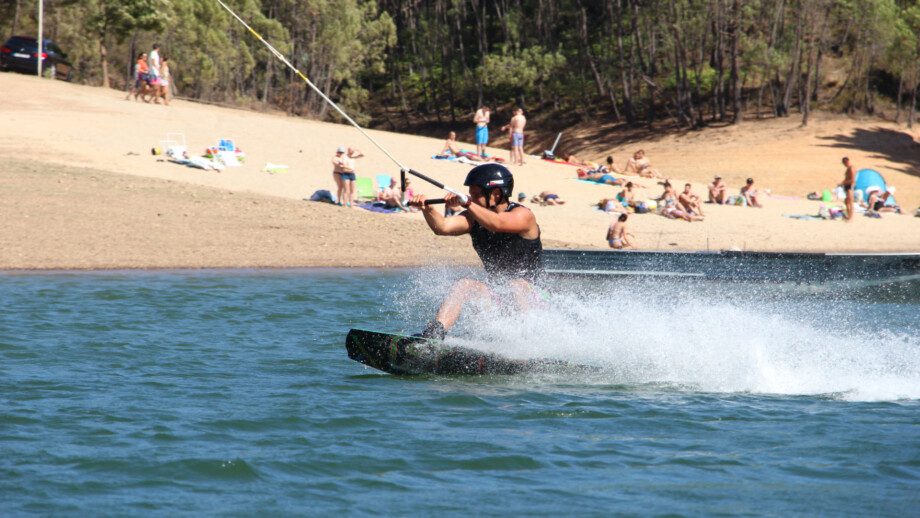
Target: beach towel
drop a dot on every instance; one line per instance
(379, 206)
(592, 182)
(275, 168)
(199, 162)
(467, 156)
(804, 217)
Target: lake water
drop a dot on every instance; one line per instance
(230, 392)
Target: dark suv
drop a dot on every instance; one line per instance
(20, 53)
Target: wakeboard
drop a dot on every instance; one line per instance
(414, 355)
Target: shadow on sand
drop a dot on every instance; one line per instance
(888, 144)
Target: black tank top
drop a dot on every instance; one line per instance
(508, 255)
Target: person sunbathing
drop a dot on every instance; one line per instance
(450, 145)
(878, 199)
(610, 167)
(641, 166)
(574, 160)
(627, 197)
(604, 178)
(718, 191)
(690, 202)
(610, 205)
(749, 193)
(392, 196)
(547, 198)
(668, 195)
(617, 237)
(669, 205)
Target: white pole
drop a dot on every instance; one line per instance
(41, 7)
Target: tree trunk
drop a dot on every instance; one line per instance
(913, 105)
(624, 77)
(266, 88)
(792, 77)
(132, 57)
(897, 115)
(718, 58)
(103, 58)
(589, 55)
(735, 76)
(15, 26)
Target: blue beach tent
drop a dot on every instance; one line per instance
(868, 178)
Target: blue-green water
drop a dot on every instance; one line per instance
(230, 392)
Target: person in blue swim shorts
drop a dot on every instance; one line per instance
(516, 130)
(481, 119)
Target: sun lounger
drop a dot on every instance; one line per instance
(364, 187)
(383, 181)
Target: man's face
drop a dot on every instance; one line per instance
(686, 189)
(476, 195)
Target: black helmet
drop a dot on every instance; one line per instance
(491, 176)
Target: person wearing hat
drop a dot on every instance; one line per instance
(343, 172)
(718, 191)
(504, 234)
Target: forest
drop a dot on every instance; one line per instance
(404, 63)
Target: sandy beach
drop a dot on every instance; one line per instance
(80, 188)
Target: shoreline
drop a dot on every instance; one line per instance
(80, 193)
(51, 270)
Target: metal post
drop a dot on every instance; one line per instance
(38, 56)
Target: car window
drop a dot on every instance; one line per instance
(18, 42)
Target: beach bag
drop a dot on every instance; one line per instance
(641, 208)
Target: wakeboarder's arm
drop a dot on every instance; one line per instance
(441, 225)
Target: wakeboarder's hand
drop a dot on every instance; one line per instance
(419, 200)
(453, 201)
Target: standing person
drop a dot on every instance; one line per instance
(153, 61)
(140, 76)
(616, 234)
(350, 175)
(849, 179)
(482, 129)
(343, 171)
(505, 235)
(516, 131)
(164, 80)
